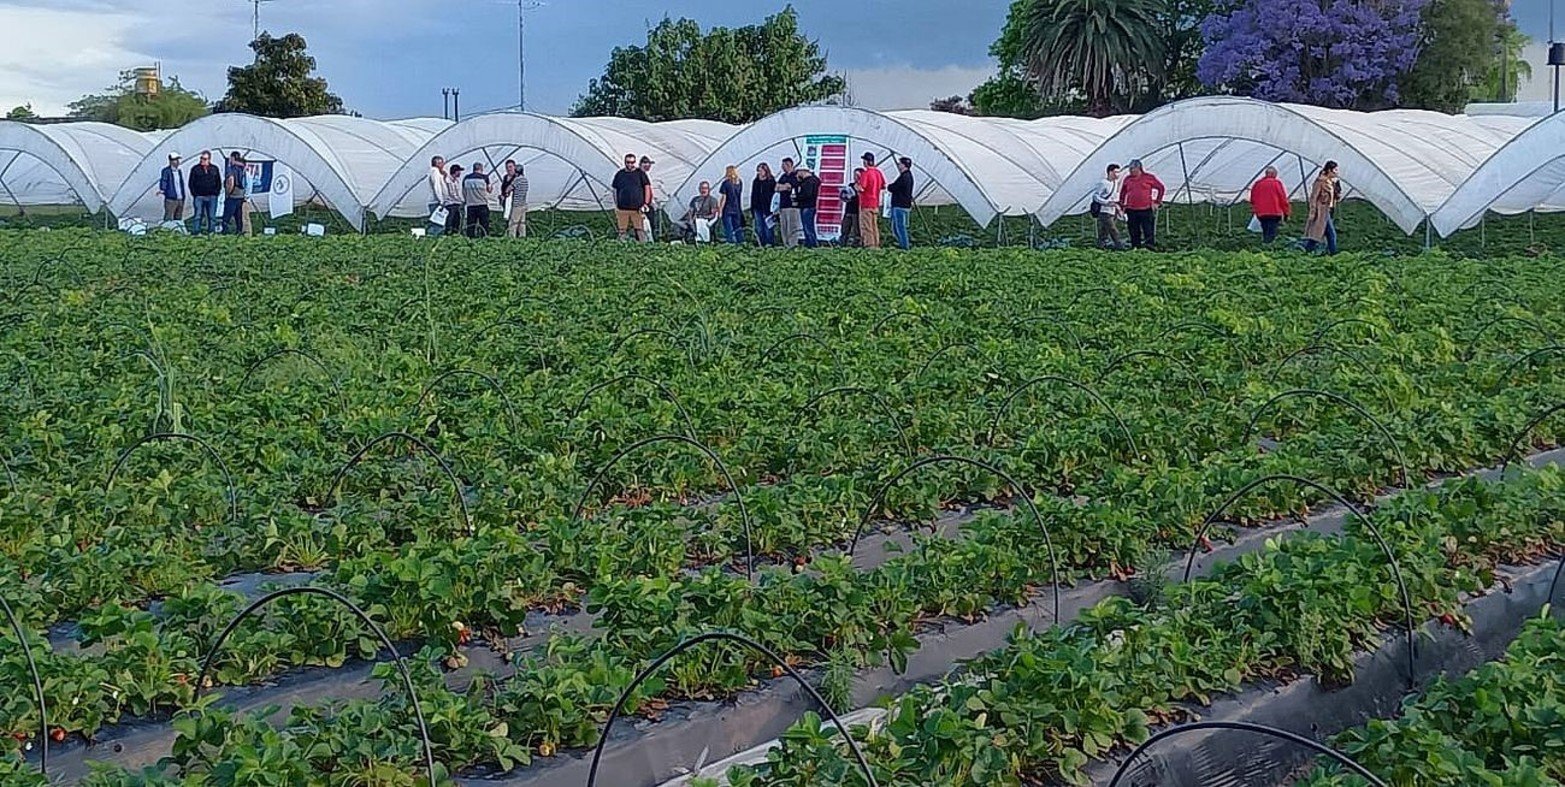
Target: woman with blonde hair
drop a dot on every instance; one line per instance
(1321, 228)
(730, 205)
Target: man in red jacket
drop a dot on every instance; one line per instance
(1269, 202)
(1140, 196)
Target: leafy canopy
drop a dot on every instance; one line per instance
(23, 112)
(1349, 54)
(172, 107)
(279, 84)
(735, 75)
(1466, 43)
(1104, 51)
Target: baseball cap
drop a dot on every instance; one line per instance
(869, 157)
(173, 156)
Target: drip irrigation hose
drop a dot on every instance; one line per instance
(1249, 430)
(1190, 374)
(456, 485)
(880, 498)
(1514, 452)
(850, 390)
(744, 513)
(1245, 726)
(646, 674)
(380, 633)
(1391, 559)
(494, 385)
(228, 478)
(32, 669)
(690, 426)
(1509, 370)
(994, 424)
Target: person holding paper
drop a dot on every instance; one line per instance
(697, 222)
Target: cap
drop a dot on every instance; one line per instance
(646, 160)
(173, 156)
(869, 157)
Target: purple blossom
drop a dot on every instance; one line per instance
(1335, 53)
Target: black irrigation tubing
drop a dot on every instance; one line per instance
(385, 641)
(1328, 327)
(494, 385)
(1486, 282)
(1509, 370)
(456, 485)
(228, 478)
(1052, 320)
(275, 354)
(1391, 559)
(690, 426)
(1514, 452)
(880, 498)
(744, 513)
(766, 356)
(1313, 348)
(673, 337)
(922, 370)
(852, 390)
(994, 424)
(494, 326)
(1190, 374)
(1245, 726)
(875, 329)
(1255, 418)
(1471, 349)
(646, 674)
(32, 669)
(1085, 293)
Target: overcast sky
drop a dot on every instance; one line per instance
(389, 58)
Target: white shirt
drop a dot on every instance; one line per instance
(1107, 192)
(437, 185)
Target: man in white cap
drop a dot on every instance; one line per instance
(171, 184)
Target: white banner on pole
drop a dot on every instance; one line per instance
(280, 197)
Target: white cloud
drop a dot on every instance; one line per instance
(51, 57)
(912, 88)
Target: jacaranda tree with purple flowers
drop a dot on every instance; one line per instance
(1335, 53)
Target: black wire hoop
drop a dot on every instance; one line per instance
(766, 356)
(1471, 350)
(385, 641)
(1245, 726)
(456, 484)
(32, 668)
(1509, 370)
(1052, 320)
(1514, 452)
(493, 383)
(690, 426)
(1328, 327)
(1005, 406)
(259, 362)
(650, 331)
(228, 478)
(1363, 519)
(619, 706)
(854, 390)
(928, 362)
(1190, 375)
(1021, 492)
(1255, 419)
(1309, 349)
(881, 323)
(744, 513)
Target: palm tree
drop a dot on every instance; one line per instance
(1101, 51)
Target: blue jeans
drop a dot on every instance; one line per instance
(899, 227)
(733, 228)
(233, 224)
(807, 216)
(1331, 237)
(206, 214)
(434, 230)
(763, 231)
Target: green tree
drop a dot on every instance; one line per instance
(23, 113)
(1179, 28)
(1461, 56)
(733, 75)
(172, 107)
(280, 83)
(1107, 53)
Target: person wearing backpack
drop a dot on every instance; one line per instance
(1105, 208)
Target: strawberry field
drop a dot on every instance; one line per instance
(961, 486)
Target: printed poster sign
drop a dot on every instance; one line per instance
(280, 191)
(827, 157)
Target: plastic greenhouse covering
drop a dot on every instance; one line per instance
(1415, 166)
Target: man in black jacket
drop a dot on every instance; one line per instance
(902, 202)
(206, 182)
(805, 199)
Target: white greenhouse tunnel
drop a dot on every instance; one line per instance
(1443, 172)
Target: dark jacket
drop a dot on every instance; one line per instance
(761, 192)
(809, 191)
(206, 181)
(902, 190)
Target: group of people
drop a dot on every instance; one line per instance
(461, 203)
(204, 186)
(1135, 199)
(782, 209)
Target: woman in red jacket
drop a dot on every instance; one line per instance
(1269, 202)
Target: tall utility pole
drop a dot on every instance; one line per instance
(1556, 57)
(255, 18)
(445, 106)
(522, 7)
(456, 104)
